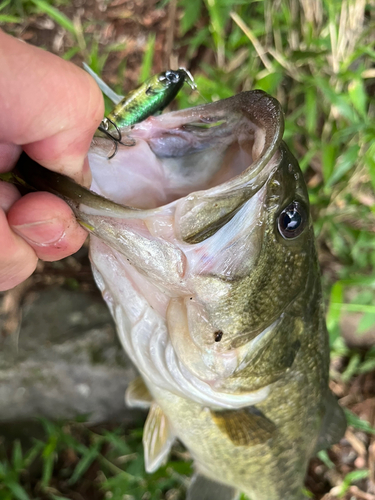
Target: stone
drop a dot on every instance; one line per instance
(66, 361)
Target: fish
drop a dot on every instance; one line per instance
(202, 245)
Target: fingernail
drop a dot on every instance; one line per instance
(41, 233)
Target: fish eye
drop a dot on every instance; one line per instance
(292, 220)
(172, 76)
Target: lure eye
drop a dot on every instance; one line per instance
(292, 221)
(172, 76)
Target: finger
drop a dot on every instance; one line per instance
(9, 194)
(9, 154)
(47, 224)
(50, 105)
(17, 259)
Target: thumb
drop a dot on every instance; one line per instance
(52, 107)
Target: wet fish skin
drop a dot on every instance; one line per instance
(170, 296)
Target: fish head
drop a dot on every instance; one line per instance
(210, 220)
(248, 272)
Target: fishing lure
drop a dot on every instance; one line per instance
(150, 98)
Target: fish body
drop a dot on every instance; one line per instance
(203, 248)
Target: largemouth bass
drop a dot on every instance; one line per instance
(203, 247)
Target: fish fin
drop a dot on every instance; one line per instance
(115, 98)
(203, 488)
(244, 427)
(333, 425)
(157, 438)
(137, 394)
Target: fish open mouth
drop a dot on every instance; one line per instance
(215, 150)
(190, 197)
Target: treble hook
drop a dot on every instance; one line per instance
(103, 127)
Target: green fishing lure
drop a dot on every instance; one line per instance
(150, 98)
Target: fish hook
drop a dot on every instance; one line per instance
(103, 127)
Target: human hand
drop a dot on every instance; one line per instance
(50, 109)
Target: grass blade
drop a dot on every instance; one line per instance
(9, 19)
(17, 490)
(85, 463)
(147, 59)
(358, 423)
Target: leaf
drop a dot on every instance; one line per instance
(370, 163)
(118, 443)
(270, 82)
(329, 152)
(323, 456)
(33, 453)
(358, 96)
(147, 59)
(356, 422)
(344, 164)
(337, 297)
(340, 101)
(50, 446)
(192, 12)
(182, 468)
(304, 55)
(307, 493)
(3, 470)
(48, 463)
(352, 367)
(218, 15)
(70, 53)
(56, 15)
(367, 366)
(353, 307)
(352, 477)
(4, 4)
(9, 19)
(366, 322)
(311, 110)
(359, 280)
(17, 458)
(85, 462)
(18, 492)
(305, 161)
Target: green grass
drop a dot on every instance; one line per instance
(317, 58)
(68, 458)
